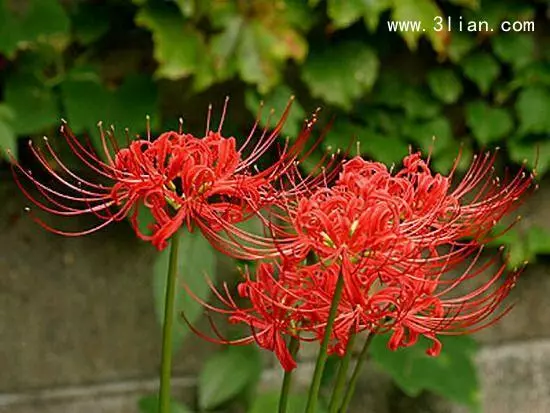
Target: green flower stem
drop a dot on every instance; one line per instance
(355, 375)
(167, 326)
(323, 355)
(337, 392)
(293, 346)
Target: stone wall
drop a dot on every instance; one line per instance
(78, 332)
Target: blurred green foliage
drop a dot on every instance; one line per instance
(195, 273)
(119, 60)
(452, 374)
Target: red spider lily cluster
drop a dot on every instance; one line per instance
(183, 180)
(401, 244)
(392, 239)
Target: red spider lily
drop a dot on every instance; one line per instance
(429, 209)
(393, 238)
(271, 317)
(182, 179)
(294, 301)
(369, 208)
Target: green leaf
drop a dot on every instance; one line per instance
(538, 240)
(423, 134)
(341, 74)
(344, 134)
(445, 84)
(423, 11)
(187, 7)
(535, 154)
(269, 402)
(461, 44)
(516, 244)
(8, 138)
(522, 244)
(419, 105)
(388, 123)
(472, 4)
(344, 13)
(144, 219)
(253, 64)
(493, 13)
(90, 22)
(331, 369)
(177, 43)
(384, 147)
(221, 13)
(447, 153)
(533, 107)
(87, 102)
(277, 100)
(537, 73)
(224, 47)
(257, 48)
(196, 261)
(390, 89)
(6, 113)
(372, 11)
(34, 104)
(517, 49)
(300, 15)
(488, 124)
(149, 404)
(482, 69)
(263, 49)
(452, 374)
(226, 374)
(23, 22)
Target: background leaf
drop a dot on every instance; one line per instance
(482, 69)
(424, 133)
(226, 374)
(460, 45)
(533, 107)
(197, 260)
(445, 85)
(277, 100)
(488, 124)
(269, 402)
(423, 11)
(90, 22)
(8, 138)
(24, 94)
(177, 44)
(517, 49)
(149, 404)
(451, 374)
(340, 76)
(26, 21)
(344, 13)
(87, 101)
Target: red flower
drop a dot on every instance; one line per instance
(397, 240)
(272, 315)
(182, 179)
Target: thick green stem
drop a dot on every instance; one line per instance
(323, 355)
(293, 346)
(167, 326)
(337, 392)
(355, 375)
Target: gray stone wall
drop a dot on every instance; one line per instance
(78, 332)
